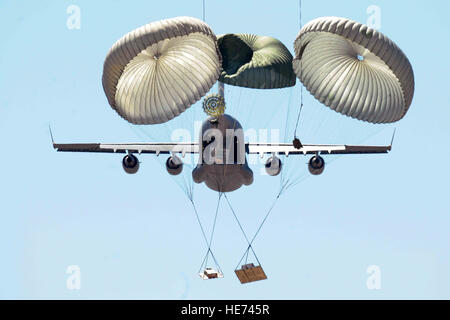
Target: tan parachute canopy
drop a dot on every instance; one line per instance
(353, 69)
(257, 62)
(157, 71)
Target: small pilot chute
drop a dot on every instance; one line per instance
(214, 105)
(354, 69)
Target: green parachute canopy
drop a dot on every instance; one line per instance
(257, 62)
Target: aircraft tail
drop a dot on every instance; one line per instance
(51, 134)
(392, 140)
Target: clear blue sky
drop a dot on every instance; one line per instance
(137, 237)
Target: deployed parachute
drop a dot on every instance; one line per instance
(257, 62)
(157, 71)
(354, 70)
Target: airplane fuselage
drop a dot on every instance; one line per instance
(222, 162)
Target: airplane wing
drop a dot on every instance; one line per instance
(190, 147)
(288, 149)
(155, 148)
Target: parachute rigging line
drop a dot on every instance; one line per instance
(206, 239)
(186, 185)
(215, 261)
(267, 215)
(204, 11)
(189, 187)
(245, 236)
(287, 117)
(199, 222)
(257, 232)
(290, 114)
(299, 112)
(301, 64)
(282, 190)
(214, 226)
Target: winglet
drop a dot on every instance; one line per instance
(392, 140)
(51, 135)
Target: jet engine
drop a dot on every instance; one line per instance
(130, 164)
(273, 166)
(174, 165)
(316, 165)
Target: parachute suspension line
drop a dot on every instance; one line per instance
(183, 182)
(291, 183)
(299, 112)
(257, 232)
(189, 188)
(237, 219)
(140, 132)
(206, 240)
(205, 262)
(267, 215)
(246, 253)
(301, 74)
(204, 19)
(300, 12)
(237, 106)
(245, 236)
(213, 228)
(284, 173)
(296, 182)
(215, 219)
(199, 222)
(275, 113)
(286, 127)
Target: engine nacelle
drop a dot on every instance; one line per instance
(130, 164)
(273, 166)
(316, 165)
(174, 165)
